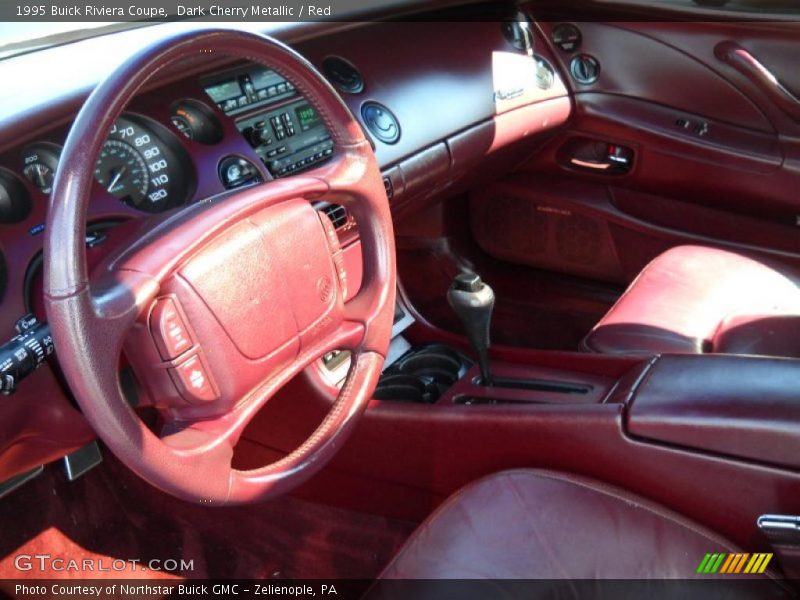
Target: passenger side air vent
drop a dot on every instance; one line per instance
(585, 69)
(381, 122)
(337, 214)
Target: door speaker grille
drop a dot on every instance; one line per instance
(549, 234)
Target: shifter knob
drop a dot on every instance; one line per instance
(473, 301)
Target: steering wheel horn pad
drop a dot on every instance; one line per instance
(255, 277)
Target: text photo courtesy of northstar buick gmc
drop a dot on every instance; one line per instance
(441, 294)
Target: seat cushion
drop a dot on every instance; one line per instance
(694, 299)
(529, 524)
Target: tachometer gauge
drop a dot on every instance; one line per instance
(39, 165)
(143, 165)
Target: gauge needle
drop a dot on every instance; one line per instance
(40, 173)
(116, 178)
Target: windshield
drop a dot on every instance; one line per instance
(19, 38)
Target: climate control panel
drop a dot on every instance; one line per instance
(289, 138)
(286, 132)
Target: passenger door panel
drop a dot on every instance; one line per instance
(715, 160)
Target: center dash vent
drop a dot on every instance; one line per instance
(337, 214)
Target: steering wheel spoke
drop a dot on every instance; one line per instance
(120, 298)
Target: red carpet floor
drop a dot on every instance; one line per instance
(111, 513)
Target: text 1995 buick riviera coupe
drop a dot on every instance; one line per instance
(260, 264)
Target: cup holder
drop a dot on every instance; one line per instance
(422, 375)
(401, 388)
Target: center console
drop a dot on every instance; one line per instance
(434, 372)
(713, 437)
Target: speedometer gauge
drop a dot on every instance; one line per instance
(143, 165)
(123, 172)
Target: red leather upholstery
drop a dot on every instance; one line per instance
(693, 299)
(530, 524)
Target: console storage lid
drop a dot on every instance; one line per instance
(745, 407)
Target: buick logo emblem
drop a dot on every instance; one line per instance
(325, 288)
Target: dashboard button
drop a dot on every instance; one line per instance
(193, 381)
(169, 330)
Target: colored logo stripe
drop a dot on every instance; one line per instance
(727, 564)
(734, 563)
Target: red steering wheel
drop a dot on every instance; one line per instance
(254, 279)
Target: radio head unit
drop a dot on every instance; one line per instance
(238, 91)
(283, 128)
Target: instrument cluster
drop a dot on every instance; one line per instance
(189, 140)
(140, 164)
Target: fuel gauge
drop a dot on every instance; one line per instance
(40, 162)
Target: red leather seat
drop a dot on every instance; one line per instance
(529, 524)
(693, 299)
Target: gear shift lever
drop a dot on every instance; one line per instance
(473, 301)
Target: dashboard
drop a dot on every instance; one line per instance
(442, 117)
(198, 137)
(144, 165)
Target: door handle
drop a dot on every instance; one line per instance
(590, 164)
(593, 155)
(748, 65)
